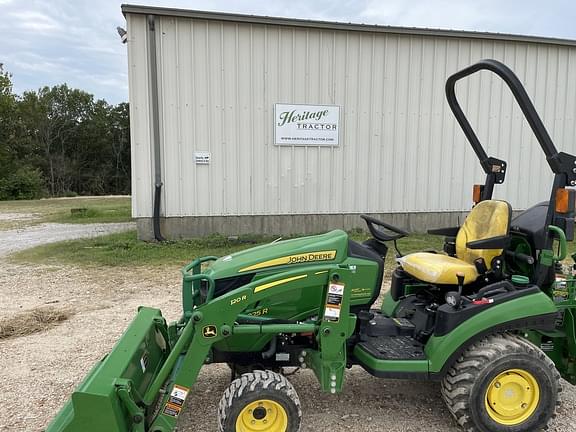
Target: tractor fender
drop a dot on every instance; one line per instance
(532, 312)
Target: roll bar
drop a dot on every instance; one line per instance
(495, 169)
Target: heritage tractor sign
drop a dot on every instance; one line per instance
(311, 125)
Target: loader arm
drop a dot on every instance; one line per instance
(216, 320)
(130, 401)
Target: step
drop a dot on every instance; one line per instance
(393, 348)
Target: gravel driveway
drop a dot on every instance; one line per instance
(18, 239)
(39, 372)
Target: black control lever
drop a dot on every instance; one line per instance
(454, 298)
(520, 257)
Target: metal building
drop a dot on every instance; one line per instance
(204, 88)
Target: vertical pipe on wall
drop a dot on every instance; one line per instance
(155, 120)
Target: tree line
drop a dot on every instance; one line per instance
(60, 141)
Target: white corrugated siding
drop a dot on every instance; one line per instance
(140, 131)
(401, 150)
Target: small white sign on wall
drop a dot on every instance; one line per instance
(202, 157)
(310, 125)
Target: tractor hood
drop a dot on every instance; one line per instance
(330, 247)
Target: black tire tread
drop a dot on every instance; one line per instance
(252, 381)
(458, 383)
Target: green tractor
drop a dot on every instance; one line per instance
(492, 317)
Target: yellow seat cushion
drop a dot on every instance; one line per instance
(437, 268)
(490, 218)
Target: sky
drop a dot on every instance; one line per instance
(50, 42)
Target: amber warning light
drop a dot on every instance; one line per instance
(565, 200)
(477, 193)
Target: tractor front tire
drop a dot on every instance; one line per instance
(259, 401)
(502, 384)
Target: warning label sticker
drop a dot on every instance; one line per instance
(171, 410)
(331, 314)
(178, 395)
(176, 400)
(333, 302)
(337, 289)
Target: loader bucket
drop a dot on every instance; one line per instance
(107, 398)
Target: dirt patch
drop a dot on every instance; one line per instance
(17, 216)
(34, 321)
(12, 221)
(39, 372)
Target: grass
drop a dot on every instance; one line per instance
(34, 321)
(107, 210)
(123, 249)
(97, 210)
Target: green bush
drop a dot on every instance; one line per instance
(23, 184)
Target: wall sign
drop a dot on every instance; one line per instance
(311, 125)
(202, 157)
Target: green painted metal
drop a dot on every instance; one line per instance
(439, 349)
(329, 361)
(191, 278)
(252, 329)
(388, 305)
(136, 413)
(520, 280)
(221, 313)
(559, 233)
(120, 396)
(231, 265)
(98, 404)
(303, 303)
(546, 257)
(164, 372)
(560, 345)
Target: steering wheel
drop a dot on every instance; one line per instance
(380, 235)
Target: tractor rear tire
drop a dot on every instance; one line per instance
(263, 401)
(502, 384)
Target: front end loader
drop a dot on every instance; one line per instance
(491, 317)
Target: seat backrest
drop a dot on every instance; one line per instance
(490, 218)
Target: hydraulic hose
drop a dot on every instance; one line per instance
(271, 349)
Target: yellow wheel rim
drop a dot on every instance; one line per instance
(512, 397)
(262, 416)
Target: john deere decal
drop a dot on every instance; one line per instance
(209, 331)
(293, 259)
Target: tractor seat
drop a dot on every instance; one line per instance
(490, 218)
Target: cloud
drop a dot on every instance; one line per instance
(529, 17)
(34, 21)
(37, 66)
(118, 81)
(420, 14)
(48, 42)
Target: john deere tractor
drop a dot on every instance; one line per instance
(491, 317)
